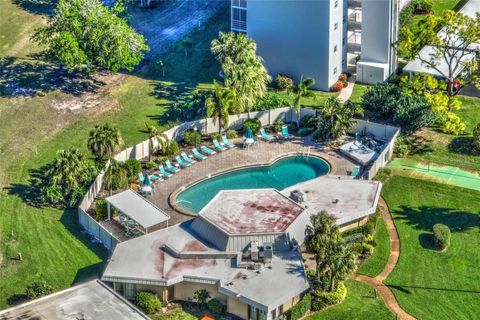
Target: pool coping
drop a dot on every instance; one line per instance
(173, 196)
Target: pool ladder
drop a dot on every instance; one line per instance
(305, 151)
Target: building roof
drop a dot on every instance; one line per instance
(239, 212)
(138, 208)
(471, 8)
(150, 260)
(345, 198)
(91, 300)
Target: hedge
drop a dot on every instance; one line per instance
(441, 236)
(301, 308)
(322, 299)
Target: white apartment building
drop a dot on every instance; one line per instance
(322, 38)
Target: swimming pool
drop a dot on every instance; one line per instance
(283, 173)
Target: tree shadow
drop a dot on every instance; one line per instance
(90, 272)
(424, 217)
(44, 7)
(405, 289)
(29, 193)
(17, 298)
(462, 145)
(34, 76)
(426, 241)
(419, 144)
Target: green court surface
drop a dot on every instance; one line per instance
(441, 174)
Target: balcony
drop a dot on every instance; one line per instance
(354, 4)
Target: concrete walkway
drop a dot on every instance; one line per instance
(377, 282)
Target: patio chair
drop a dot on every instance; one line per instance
(207, 150)
(171, 167)
(187, 158)
(218, 146)
(227, 142)
(163, 172)
(355, 171)
(198, 155)
(264, 135)
(285, 134)
(141, 177)
(181, 162)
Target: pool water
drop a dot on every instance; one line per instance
(281, 174)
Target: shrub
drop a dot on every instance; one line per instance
(357, 248)
(283, 82)
(367, 249)
(150, 164)
(441, 236)
(307, 122)
(322, 299)
(476, 139)
(292, 128)
(423, 6)
(311, 274)
(268, 102)
(172, 149)
(201, 296)
(215, 306)
(369, 239)
(253, 124)
(301, 308)
(38, 289)
(133, 168)
(277, 125)
(402, 147)
(192, 137)
(383, 174)
(337, 86)
(304, 131)
(231, 134)
(215, 135)
(161, 159)
(101, 210)
(148, 302)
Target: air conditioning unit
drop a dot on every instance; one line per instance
(298, 196)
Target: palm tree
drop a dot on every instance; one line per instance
(302, 90)
(155, 134)
(104, 140)
(334, 118)
(317, 236)
(68, 169)
(243, 68)
(340, 261)
(220, 104)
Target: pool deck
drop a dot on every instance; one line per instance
(262, 153)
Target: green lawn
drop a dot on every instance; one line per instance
(49, 240)
(360, 304)
(374, 265)
(439, 7)
(429, 284)
(358, 91)
(449, 149)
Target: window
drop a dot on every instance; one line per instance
(335, 70)
(335, 26)
(336, 4)
(239, 3)
(335, 48)
(129, 291)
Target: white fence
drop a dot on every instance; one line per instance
(383, 132)
(208, 126)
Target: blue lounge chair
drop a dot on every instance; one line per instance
(265, 136)
(285, 134)
(227, 142)
(355, 171)
(218, 146)
(171, 167)
(182, 162)
(164, 172)
(207, 150)
(187, 158)
(198, 155)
